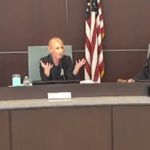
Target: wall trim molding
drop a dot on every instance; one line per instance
(80, 51)
(67, 23)
(116, 50)
(124, 50)
(14, 52)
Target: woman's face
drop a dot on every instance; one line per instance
(57, 50)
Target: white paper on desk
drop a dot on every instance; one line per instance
(59, 95)
(86, 82)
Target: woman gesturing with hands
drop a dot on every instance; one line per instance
(57, 66)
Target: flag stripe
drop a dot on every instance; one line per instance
(94, 67)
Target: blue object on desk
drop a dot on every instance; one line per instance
(16, 80)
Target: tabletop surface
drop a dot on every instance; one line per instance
(82, 95)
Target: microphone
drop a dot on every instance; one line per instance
(62, 71)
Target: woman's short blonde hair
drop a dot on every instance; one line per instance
(53, 40)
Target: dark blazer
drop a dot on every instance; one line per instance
(65, 64)
(145, 74)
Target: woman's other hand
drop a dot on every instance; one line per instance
(78, 65)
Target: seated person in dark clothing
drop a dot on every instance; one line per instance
(57, 66)
(144, 75)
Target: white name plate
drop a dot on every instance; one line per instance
(59, 95)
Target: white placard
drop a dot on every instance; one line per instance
(59, 95)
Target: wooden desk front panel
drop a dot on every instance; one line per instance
(131, 128)
(76, 128)
(4, 131)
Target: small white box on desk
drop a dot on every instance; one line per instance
(59, 95)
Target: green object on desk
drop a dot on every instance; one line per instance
(16, 80)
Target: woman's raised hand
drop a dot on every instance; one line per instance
(47, 67)
(78, 65)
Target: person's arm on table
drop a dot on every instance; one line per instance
(143, 75)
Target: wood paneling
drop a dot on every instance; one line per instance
(4, 131)
(123, 64)
(19, 24)
(76, 18)
(131, 128)
(34, 23)
(77, 90)
(25, 23)
(12, 64)
(52, 22)
(83, 128)
(118, 64)
(127, 24)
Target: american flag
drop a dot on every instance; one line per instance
(94, 67)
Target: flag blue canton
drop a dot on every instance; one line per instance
(88, 10)
(95, 7)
